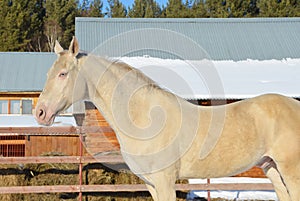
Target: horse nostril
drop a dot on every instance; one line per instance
(41, 114)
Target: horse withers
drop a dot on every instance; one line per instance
(163, 137)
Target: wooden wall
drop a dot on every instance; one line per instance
(40, 145)
(96, 143)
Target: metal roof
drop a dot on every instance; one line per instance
(24, 71)
(218, 39)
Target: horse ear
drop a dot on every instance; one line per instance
(74, 47)
(57, 48)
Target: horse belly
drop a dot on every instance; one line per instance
(225, 160)
(214, 169)
(240, 145)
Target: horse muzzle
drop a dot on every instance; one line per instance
(44, 116)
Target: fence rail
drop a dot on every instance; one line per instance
(61, 159)
(129, 188)
(54, 130)
(108, 188)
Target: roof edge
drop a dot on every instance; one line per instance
(189, 20)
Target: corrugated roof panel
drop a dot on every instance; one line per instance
(223, 39)
(24, 71)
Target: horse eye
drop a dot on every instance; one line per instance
(62, 74)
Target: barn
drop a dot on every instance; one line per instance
(233, 58)
(22, 79)
(206, 61)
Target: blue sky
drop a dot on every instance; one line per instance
(130, 2)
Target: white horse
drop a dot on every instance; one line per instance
(163, 137)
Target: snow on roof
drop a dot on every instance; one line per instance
(222, 79)
(29, 121)
(191, 79)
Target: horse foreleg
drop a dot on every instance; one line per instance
(291, 177)
(280, 188)
(163, 188)
(152, 191)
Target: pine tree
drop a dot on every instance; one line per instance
(198, 9)
(253, 10)
(163, 12)
(148, 11)
(137, 10)
(117, 9)
(237, 8)
(60, 21)
(152, 10)
(176, 9)
(95, 9)
(84, 8)
(216, 8)
(279, 8)
(22, 22)
(36, 34)
(145, 8)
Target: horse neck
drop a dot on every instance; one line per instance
(110, 84)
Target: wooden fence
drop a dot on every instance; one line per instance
(80, 188)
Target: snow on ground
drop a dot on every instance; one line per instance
(29, 121)
(237, 195)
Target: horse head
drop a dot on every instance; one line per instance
(60, 90)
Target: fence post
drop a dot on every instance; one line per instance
(208, 191)
(80, 164)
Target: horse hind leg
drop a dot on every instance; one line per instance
(270, 169)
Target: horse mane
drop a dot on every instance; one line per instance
(139, 74)
(120, 65)
(78, 56)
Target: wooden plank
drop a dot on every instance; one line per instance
(27, 94)
(63, 130)
(11, 142)
(61, 159)
(28, 146)
(129, 188)
(114, 188)
(39, 159)
(73, 188)
(39, 189)
(40, 130)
